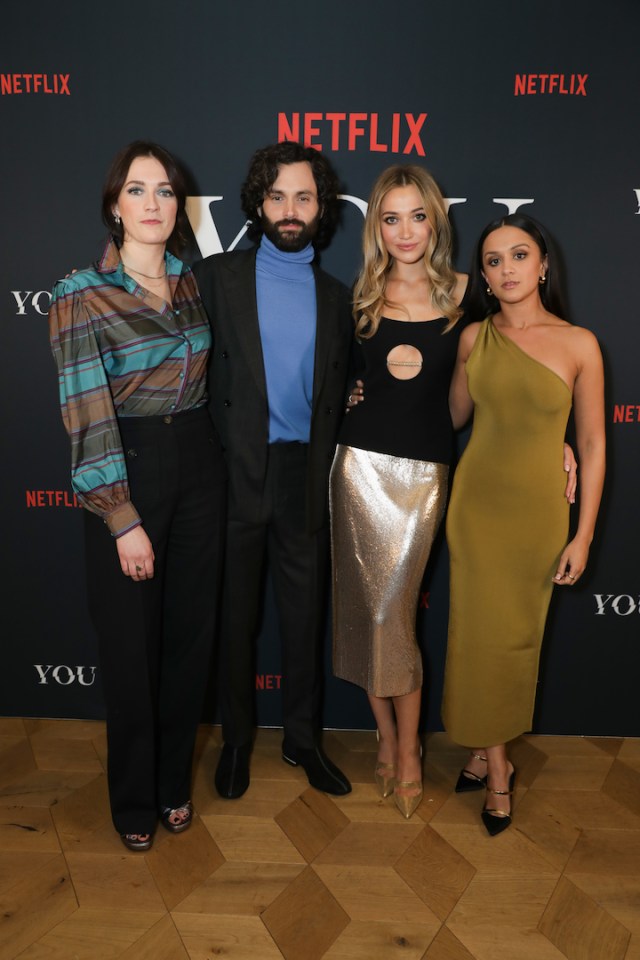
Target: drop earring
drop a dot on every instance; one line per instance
(489, 291)
(116, 217)
(542, 278)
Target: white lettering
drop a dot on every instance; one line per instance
(449, 201)
(623, 604)
(628, 601)
(22, 299)
(35, 300)
(362, 205)
(202, 221)
(42, 671)
(602, 601)
(81, 679)
(65, 675)
(70, 675)
(512, 203)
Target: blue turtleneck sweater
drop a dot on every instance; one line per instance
(286, 296)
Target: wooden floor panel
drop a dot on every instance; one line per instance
(288, 872)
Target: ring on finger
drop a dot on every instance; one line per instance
(138, 569)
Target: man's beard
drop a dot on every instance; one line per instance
(290, 241)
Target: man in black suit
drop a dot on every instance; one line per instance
(281, 337)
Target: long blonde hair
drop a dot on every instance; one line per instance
(369, 296)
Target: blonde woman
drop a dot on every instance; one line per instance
(389, 477)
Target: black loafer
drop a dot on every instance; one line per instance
(321, 772)
(232, 772)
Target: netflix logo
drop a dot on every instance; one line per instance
(16, 83)
(51, 498)
(395, 133)
(571, 84)
(626, 413)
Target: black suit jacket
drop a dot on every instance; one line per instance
(237, 385)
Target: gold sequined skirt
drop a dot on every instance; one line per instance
(385, 513)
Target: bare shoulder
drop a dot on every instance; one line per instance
(582, 338)
(586, 347)
(468, 338)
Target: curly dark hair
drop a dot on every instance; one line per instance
(117, 176)
(263, 172)
(479, 304)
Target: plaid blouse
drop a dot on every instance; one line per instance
(121, 351)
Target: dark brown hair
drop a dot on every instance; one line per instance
(263, 172)
(480, 304)
(117, 177)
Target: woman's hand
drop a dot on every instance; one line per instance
(572, 563)
(136, 554)
(356, 396)
(571, 469)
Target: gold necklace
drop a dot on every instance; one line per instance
(147, 276)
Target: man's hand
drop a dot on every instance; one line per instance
(356, 396)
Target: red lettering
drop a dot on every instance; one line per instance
(47, 88)
(31, 498)
(618, 413)
(354, 129)
(288, 131)
(5, 83)
(531, 83)
(17, 85)
(27, 77)
(629, 414)
(373, 139)
(40, 498)
(414, 129)
(269, 682)
(310, 131)
(520, 85)
(562, 88)
(553, 82)
(395, 132)
(335, 120)
(259, 681)
(582, 80)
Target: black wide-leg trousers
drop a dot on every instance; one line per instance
(155, 637)
(298, 563)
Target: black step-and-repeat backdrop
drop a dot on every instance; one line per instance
(521, 106)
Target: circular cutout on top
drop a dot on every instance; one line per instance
(404, 362)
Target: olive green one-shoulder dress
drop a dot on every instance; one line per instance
(506, 528)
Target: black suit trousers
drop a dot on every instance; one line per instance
(155, 637)
(298, 564)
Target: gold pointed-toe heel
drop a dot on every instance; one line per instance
(407, 805)
(385, 777)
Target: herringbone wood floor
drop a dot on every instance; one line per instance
(289, 872)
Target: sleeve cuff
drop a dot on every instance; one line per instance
(123, 519)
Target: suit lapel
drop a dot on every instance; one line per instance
(240, 287)
(325, 312)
